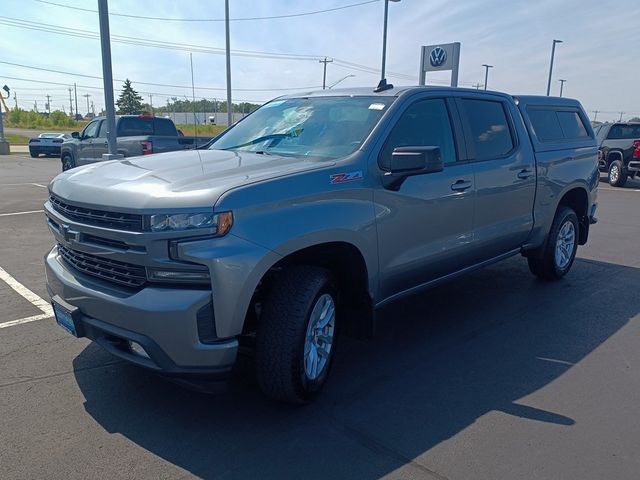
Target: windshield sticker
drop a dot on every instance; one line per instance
(376, 106)
(346, 177)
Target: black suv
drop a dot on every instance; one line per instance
(619, 151)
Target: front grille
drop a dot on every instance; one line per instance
(121, 273)
(100, 218)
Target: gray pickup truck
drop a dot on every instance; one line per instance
(303, 219)
(136, 135)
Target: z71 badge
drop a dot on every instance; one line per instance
(346, 177)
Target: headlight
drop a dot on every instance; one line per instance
(222, 222)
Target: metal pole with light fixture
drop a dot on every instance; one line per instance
(486, 73)
(229, 104)
(383, 81)
(342, 79)
(4, 143)
(107, 79)
(561, 85)
(553, 52)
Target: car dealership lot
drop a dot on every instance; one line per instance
(496, 375)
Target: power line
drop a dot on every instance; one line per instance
(78, 33)
(169, 19)
(157, 84)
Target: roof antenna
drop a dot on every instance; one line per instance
(382, 86)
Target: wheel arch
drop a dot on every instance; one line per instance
(350, 271)
(577, 198)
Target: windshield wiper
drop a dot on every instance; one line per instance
(290, 134)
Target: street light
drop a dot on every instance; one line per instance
(553, 52)
(486, 73)
(383, 81)
(4, 144)
(336, 83)
(561, 85)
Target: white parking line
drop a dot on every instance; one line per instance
(20, 213)
(620, 189)
(34, 299)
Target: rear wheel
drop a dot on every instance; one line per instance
(560, 250)
(617, 177)
(296, 334)
(67, 162)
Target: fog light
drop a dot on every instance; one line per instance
(138, 349)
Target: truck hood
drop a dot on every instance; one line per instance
(185, 179)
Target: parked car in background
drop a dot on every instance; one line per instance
(300, 221)
(136, 135)
(619, 151)
(47, 143)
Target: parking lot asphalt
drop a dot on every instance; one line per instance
(493, 376)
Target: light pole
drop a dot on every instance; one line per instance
(228, 48)
(486, 73)
(553, 52)
(342, 79)
(4, 144)
(383, 81)
(561, 85)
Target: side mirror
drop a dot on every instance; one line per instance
(75, 135)
(409, 161)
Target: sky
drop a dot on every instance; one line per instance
(598, 56)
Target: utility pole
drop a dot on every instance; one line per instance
(229, 104)
(93, 108)
(75, 92)
(35, 106)
(478, 85)
(48, 105)
(71, 104)
(15, 99)
(620, 119)
(561, 86)
(324, 75)
(107, 79)
(151, 102)
(595, 116)
(87, 95)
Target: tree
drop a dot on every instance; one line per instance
(129, 102)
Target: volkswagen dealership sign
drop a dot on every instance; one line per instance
(440, 57)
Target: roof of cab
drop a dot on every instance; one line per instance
(391, 92)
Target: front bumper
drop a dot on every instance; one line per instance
(162, 320)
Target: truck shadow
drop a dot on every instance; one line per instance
(439, 362)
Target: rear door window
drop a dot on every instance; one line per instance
(164, 127)
(135, 126)
(490, 131)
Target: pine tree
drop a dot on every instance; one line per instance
(129, 103)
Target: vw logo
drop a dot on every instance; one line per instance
(438, 57)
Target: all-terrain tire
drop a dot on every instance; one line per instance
(282, 331)
(552, 266)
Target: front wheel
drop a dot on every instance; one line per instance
(67, 162)
(560, 250)
(617, 177)
(296, 334)
(34, 154)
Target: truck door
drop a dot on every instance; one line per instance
(505, 174)
(425, 229)
(100, 145)
(85, 146)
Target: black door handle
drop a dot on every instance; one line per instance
(461, 185)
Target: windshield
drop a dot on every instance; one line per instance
(328, 127)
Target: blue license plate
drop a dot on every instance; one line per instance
(64, 319)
